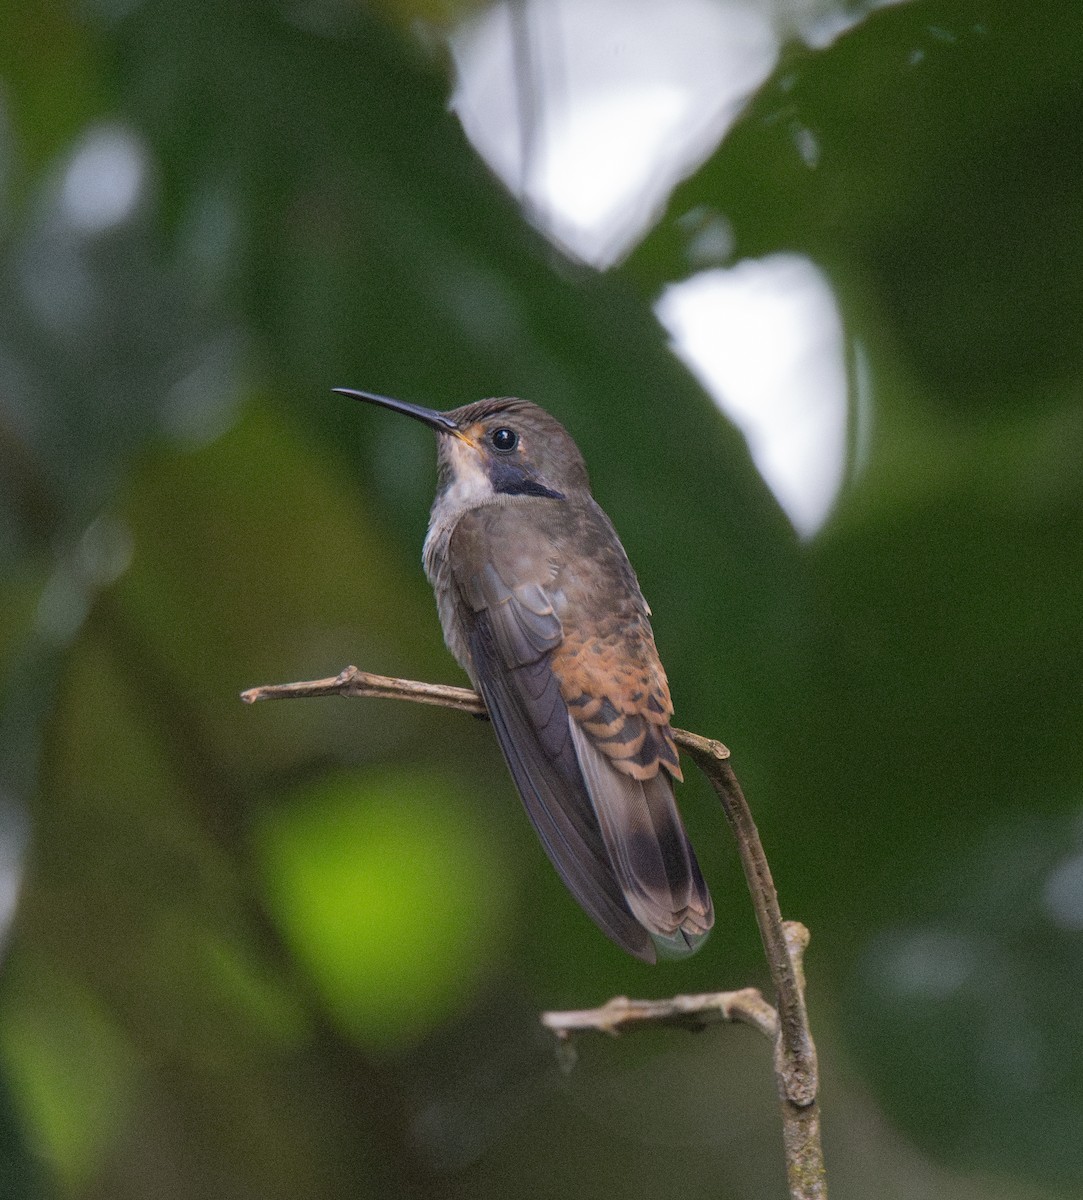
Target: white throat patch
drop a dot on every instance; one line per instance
(471, 485)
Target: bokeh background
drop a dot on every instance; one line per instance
(805, 280)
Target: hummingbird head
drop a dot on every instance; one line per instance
(500, 447)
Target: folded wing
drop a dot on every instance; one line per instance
(587, 760)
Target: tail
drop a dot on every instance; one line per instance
(649, 851)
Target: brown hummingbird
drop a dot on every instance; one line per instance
(543, 611)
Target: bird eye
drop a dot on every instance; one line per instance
(504, 440)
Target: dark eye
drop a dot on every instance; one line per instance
(504, 440)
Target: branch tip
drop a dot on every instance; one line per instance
(691, 1012)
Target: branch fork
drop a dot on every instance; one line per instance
(784, 942)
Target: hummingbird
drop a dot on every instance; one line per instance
(542, 609)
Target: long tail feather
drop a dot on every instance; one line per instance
(647, 845)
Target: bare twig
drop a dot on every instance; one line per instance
(690, 1012)
(784, 942)
(355, 682)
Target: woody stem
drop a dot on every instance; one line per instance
(784, 942)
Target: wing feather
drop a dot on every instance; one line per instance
(582, 718)
(649, 849)
(531, 725)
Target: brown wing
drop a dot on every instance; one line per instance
(588, 771)
(532, 729)
(615, 688)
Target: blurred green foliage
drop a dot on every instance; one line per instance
(299, 949)
(385, 894)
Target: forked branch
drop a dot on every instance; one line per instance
(784, 942)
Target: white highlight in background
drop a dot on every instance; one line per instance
(765, 339)
(592, 110)
(104, 180)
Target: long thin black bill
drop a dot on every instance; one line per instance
(429, 416)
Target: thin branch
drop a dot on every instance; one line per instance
(784, 942)
(354, 682)
(689, 1012)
